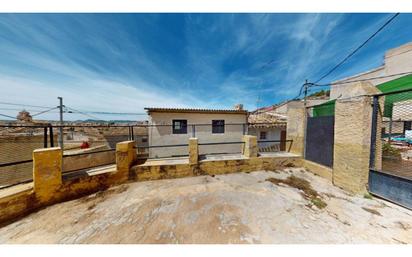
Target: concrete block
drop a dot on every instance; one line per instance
(47, 172)
(193, 151)
(250, 146)
(125, 156)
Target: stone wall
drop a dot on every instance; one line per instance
(352, 139)
(353, 119)
(318, 169)
(296, 129)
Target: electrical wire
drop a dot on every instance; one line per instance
(358, 48)
(26, 105)
(115, 113)
(80, 112)
(360, 80)
(4, 115)
(48, 110)
(16, 109)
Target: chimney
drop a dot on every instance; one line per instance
(239, 107)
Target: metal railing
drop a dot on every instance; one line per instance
(279, 146)
(18, 141)
(391, 141)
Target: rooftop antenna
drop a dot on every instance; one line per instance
(258, 100)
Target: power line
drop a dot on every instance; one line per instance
(4, 115)
(360, 80)
(300, 91)
(16, 109)
(353, 81)
(358, 48)
(115, 113)
(44, 111)
(27, 105)
(85, 114)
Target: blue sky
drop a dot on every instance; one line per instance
(125, 62)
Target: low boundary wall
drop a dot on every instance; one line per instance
(48, 187)
(80, 161)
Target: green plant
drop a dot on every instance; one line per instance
(308, 192)
(318, 203)
(368, 196)
(389, 150)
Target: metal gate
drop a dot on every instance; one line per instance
(390, 175)
(320, 139)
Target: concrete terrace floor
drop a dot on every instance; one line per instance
(233, 208)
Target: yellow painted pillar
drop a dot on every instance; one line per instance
(47, 172)
(125, 157)
(193, 151)
(250, 146)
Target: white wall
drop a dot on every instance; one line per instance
(162, 135)
(272, 134)
(396, 61)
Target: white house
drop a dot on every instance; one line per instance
(173, 127)
(397, 60)
(270, 129)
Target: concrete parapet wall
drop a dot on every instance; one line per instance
(23, 202)
(146, 172)
(88, 160)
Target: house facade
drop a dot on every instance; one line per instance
(269, 128)
(173, 127)
(395, 61)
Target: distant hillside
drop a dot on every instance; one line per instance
(320, 94)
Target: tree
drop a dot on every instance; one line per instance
(24, 116)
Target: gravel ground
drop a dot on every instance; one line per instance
(234, 208)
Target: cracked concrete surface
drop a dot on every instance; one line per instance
(234, 208)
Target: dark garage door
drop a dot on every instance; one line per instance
(319, 140)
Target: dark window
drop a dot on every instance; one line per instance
(144, 139)
(179, 126)
(218, 126)
(263, 134)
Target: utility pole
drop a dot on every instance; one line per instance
(305, 117)
(61, 122)
(306, 93)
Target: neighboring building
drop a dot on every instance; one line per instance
(268, 127)
(173, 126)
(24, 116)
(283, 107)
(396, 60)
(398, 108)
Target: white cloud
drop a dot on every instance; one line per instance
(98, 95)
